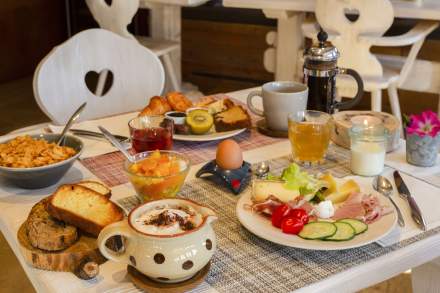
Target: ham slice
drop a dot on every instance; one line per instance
(266, 207)
(352, 208)
(365, 207)
(373, 210)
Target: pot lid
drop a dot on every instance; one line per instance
(323, 51)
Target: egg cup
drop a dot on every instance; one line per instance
(235, 179)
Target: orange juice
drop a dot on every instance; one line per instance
(309, 140)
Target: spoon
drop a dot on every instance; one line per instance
(262, 170)
(383, 185)
(70, 123)
(114, 141)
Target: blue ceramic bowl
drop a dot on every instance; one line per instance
(44, 176)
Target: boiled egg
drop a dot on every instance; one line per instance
(229, 155)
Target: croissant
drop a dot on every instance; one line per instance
(178, 101)
(157, 106)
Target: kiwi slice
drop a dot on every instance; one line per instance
(200, 121)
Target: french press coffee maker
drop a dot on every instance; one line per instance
(320, 71)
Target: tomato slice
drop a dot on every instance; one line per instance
(300, 214)
(279, 213)
(291, 225)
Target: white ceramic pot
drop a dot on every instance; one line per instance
(169, 258)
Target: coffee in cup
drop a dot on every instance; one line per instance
(279, 99)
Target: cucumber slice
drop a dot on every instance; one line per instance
(317, 230)
(344, 232)
(358, 226)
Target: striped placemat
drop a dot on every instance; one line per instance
(246, 263)
(109, 167)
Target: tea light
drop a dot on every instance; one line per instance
(368, 147)
(365, 120)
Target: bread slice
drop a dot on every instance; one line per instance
(83, 208)
(47, 233)
(236, 117)
(96, 186)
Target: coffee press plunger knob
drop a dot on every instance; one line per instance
(322, 37)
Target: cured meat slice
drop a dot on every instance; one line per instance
(352, 208)
(373, 209)
(266, 207)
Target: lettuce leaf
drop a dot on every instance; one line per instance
(295, 179)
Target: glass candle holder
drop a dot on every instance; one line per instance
(368, 148)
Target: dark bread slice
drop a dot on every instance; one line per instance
(96, 186)
(46, 232)
(236, 117)
(84, 208)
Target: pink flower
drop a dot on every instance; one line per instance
(424, 124)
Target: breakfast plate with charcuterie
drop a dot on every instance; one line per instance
(321, 212)
(206, 119)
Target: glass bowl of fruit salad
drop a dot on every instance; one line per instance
(157, 174)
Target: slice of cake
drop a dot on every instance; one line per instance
(83, 208)
(96, 186)
(236, 117)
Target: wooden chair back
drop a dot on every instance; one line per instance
(60, 85)
(349, 19)
(115, 17)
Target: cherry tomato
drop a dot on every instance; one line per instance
(279, 213)
(291, 225)
(300, 214)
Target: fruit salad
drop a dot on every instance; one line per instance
(157, 174)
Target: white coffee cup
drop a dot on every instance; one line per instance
(279, 99)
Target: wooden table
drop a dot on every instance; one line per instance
(165, 23)
(282, 57)
(16, 203)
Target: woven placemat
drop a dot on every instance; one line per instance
(246, 263)
(109, 167)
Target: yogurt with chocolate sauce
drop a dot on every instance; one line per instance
(168, 220)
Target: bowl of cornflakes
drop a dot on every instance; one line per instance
(36, 161)
(157, 174)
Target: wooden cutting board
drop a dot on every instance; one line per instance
(65, 260)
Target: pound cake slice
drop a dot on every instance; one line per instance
(84, 208)
(96, 186)
(236, 117)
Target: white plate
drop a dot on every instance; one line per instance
(262, 227)
(208, 136)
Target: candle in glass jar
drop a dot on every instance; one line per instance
(367, 158)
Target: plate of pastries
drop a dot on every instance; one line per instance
(206, 119)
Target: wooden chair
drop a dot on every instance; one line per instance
(354, 26)
(117, 16)
(60, 78)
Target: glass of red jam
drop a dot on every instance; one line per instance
(149, 133)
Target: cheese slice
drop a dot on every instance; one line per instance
(262, 189)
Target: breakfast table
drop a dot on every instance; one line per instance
(243, 262)
(286, 45)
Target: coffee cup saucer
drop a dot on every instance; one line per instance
(149, 285)
(263, 129)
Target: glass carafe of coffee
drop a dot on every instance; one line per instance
(320, 71)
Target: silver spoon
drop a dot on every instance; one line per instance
(69, 124)
(114, 141)
(383, 185)
(262, 170)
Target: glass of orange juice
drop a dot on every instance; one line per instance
(309, 134)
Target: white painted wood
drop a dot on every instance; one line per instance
(59, 85)
(147, 3)
(430, 9)
(287, 43)
(376, 100)
(119, 15)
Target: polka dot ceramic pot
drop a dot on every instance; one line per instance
(168, 258)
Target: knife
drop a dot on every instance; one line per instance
(404, 193)
(95, 134)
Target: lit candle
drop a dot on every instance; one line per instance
(366, 120)
(368, 147)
